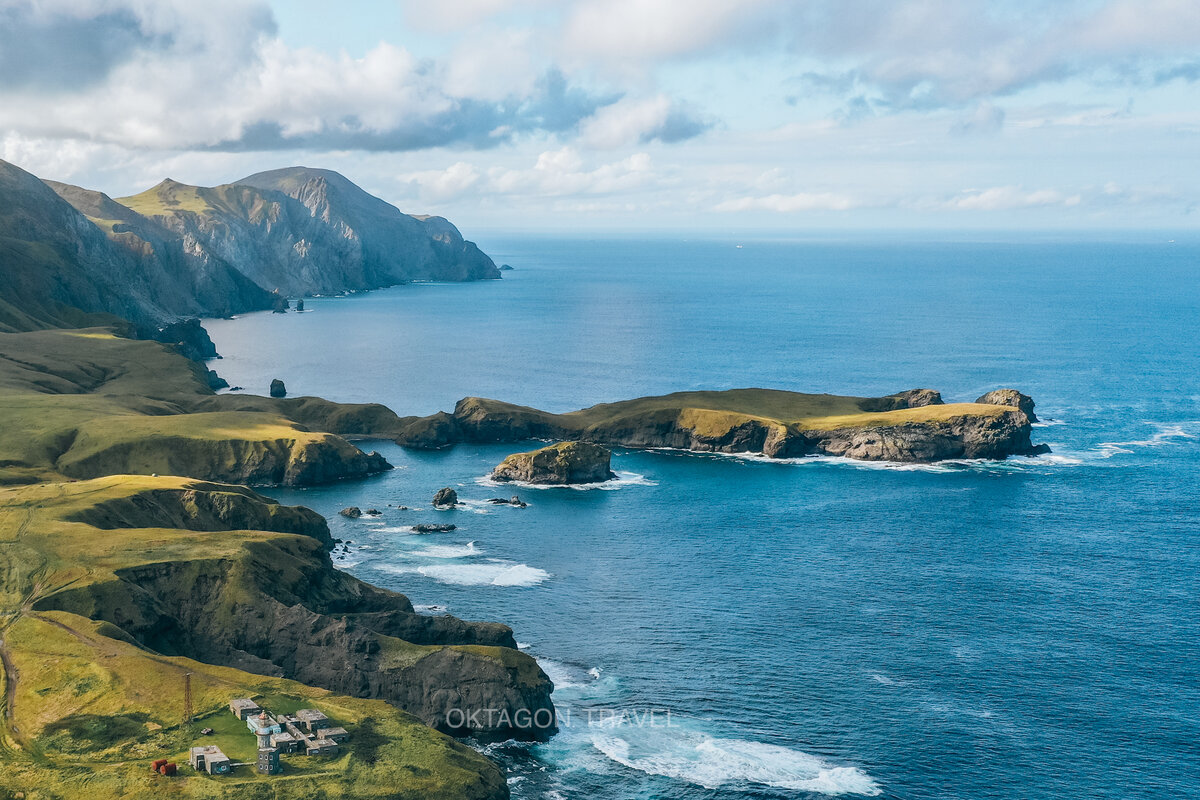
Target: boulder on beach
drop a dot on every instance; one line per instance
(1010, 397)
(559, 464)
(445, 497)
(278, 389)
(351, 512)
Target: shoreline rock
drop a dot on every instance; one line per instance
(435, 527)
(558, 465)
(445, 498)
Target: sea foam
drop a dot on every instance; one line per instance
(492, 573)
(714, 762)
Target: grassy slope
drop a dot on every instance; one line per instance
(83, 403)
(85, 709)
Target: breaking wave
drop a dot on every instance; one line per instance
(713, 762)
(492, 573)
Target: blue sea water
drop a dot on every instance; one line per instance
(1025, 629)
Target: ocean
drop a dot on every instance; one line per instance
(732, 628)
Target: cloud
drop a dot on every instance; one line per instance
(789, 203)
(624, 34)
(554, 174)
(986, 117)
(1003, 198)
(215, 76)
(640, 121)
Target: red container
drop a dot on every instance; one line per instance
(157, 765)
(169, 769)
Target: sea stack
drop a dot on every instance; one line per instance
(559, 464)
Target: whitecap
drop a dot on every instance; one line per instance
(1012, 464)
(475, 506)
(1165, 435)
(622, 480)
(492, 573)
(713, 762)
(564, 676)
(448, 551)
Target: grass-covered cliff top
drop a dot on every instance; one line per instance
(86, 705)
(722, 409)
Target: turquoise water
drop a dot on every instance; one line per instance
(1017, 630)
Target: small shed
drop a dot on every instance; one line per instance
(210, 759)
(322, 747)
(285, 742)
(338, 735)
(268, 761)
(313, 720)
(243, 707)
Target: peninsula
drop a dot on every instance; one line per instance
(912, 426)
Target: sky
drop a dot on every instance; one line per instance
(594, 115)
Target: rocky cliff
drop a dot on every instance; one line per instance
(178, 251)
(909, 426)
(276, 606)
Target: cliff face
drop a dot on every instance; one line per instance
(178, 251)
(192, 278)
(57, 264)
(277, 607)
(387, 245)
(913, 426)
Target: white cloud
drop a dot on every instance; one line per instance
(789, 203)
(1002, 198)
(639, 120)
(555, 173)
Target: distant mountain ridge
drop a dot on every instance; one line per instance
(177, 250)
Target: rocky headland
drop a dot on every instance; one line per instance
(76, 257)
(133, 552)
(912, 426)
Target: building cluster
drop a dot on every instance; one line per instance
(308, 731)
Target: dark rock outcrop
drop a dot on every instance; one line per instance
(445, 497)
(278, 389)
(913, 398)
(512, 501)
(351, 512)
(559, 464)
(189, 338)
(435, 528)
(215, 381)
(1010, 397)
